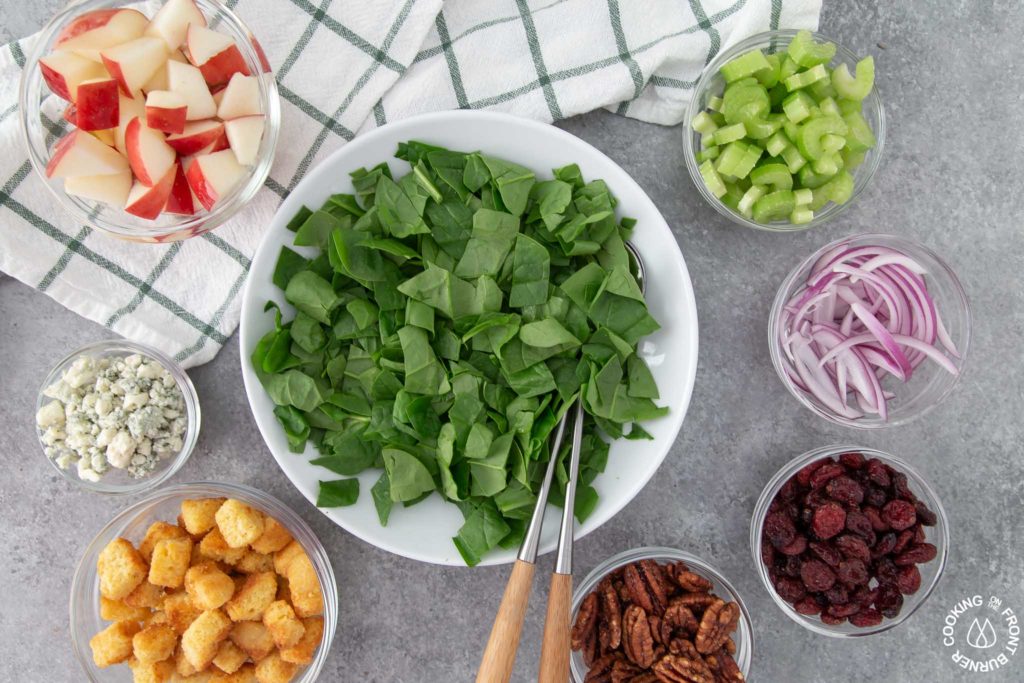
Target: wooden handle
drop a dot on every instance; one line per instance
(554, 653)
(500, 653)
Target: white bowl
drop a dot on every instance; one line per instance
(424, 532)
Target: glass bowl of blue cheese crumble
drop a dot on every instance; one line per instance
(117, 417)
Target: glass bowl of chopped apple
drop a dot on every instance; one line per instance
(151, 122)
(117, 417)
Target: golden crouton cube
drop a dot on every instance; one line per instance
(273, 669)
(113, 644)
(117, 610)
(256, 594)
(199, 677)
(304, 587)
(284, 626)
(202, 638)
(197, 516)
(207, 586)
(182, 666)
(146, 594)
(158, 531)
(155, 618)
(180, 611)
(230, 657)
(247, 674)
(151, 672)
(171, 558)
(302, 652)
(253, 562)
(214, 547)
(284, 557)
(253, 638)
(120, 568)
(273, 538)
(238, 523)
(154, 643)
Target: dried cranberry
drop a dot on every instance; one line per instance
(919, 554)
(825, 474)
(779, 529)
(788, 491)
(919, 535)
(899, 514)
(767, 552)
(853, 461)
(790, 590)
(845, 490)
(816, 498)
(865, 596)
(829, 520)
(797, 547)
(845, 610)
(837, 595)
(875, 515)
(853, 547)
(826, 553)
(816, 575)
(908, 580)
(875, 496)
(808, 606)
(866, 618)
(830, 620)
(885, 545)
(901, 487)
(925, 515)
(859, 523)
(886, 571)
(803, 477)
(903, 540)
(852, 573)
(889, 602)
(878, 471)
(791, 565)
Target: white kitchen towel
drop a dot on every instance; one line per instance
(343, 67)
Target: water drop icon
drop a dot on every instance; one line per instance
(981, 636)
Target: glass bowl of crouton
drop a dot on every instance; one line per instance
(213, 580)
(151, 122)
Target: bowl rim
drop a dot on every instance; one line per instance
(922, 488)
(910, 246)
(31, 93)
(862, 175)
(665, 553)
(193, 411)
(290, 519)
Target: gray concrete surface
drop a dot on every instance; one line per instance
(952, 177)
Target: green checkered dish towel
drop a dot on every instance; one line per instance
(346, 67)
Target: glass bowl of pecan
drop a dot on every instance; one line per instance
(849, 541)
(659, 614)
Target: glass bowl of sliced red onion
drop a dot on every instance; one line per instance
(870, 331)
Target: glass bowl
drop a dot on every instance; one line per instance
(743, 636)
(930, 384)
(711, 84)
(164, 505)
(118, 481)
(41, 113)
(931, 572)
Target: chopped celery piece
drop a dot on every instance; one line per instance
(803, 79)
(770, 76)
(749, 161)
(776, 143)
(801, 215)
(859, 136)
(731, 158)
(803, 196)
(808, 53)
(709, 153)
(809, 139)
(793, 158)
(712, 179)
(808, 178)
(745, 65)
(774, 174)
(827, 165)
(832, 143)
(729, 134)
(719, 118)
(791, 130)
(852, 160)
(744, 101)
(820, 199)
(746, 203)
(829, 107)
(759, 129)
(855, 88)
(822, 89)
(715, 103)
(788, 68)
(797, 106)
(846, 106)
(774, 206)
(733, 195)
(840, 188)
(704, 124)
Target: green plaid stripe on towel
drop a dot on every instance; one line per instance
(345, 67)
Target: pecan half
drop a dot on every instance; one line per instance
(645, 677)
(639, 592)
(657, 581)
(724, 667)
(719, 620)
(636, 637)
(678, 619)
(696, 602)
(690, 581)
(654, 622)
(682, 669)
(601, 669)
(604, 637)
(586, 621)
(623, 671)
(591, 649)
(611, 609)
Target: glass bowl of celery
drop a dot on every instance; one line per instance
(785, 130)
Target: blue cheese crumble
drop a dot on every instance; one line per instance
(122, 412)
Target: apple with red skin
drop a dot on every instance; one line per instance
(79, 153)
(148, 154)
(180, 202)
(213, 176)
(64, 71)
(148, 202)
(110, 189)
(197, 136)
(134, 63)
(97, 105)
(90, 32)
(244, 135)
(188, 81)
(165, 111)
(172, 20)
(216, 55)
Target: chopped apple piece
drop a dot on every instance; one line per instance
(129, 109)
(244, 135)
(97, 30)
(79, 153)
(216, 55)
(71, 114)
(109, 189)
(241, 98)
(159, 81)
(134, 63)
(197, 136)
(187, 81)
(171, 21)
(64, 71)
(165, 111)
(148, 202)
(148, 154)
(96, 104)
(181, 200)
(213, 176)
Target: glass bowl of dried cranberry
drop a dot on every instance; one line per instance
(849, 541)
(659, 614)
